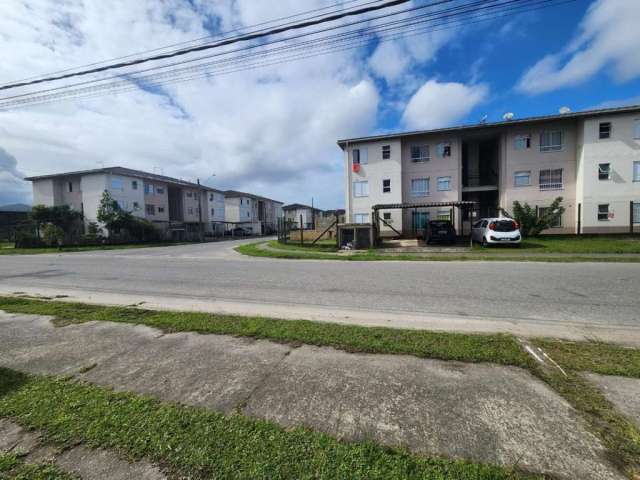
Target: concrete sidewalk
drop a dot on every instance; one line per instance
(480, 412)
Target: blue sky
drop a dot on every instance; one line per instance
(273, 130)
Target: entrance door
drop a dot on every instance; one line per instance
(420, 220)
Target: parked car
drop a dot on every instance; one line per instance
(496, 231)
(238, 232)
(441, 231)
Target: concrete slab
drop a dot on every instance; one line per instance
(481, 412)
(623, 392)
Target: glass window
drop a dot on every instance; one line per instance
(134, 184)
(551, 141)
(387, 215)
(150, 209)
(522, 142)
(636, 171)
(444, 149)
(189, 194)
(444, 184)
(190, 211)
(603, 212)
(636, 212)
(522, 179)
(604, 171)
(386, 152)
(360, 156)
(551, 179)
(444, 214)
(213, 212)
(604, 130)
(360, 189)
(557, 223)
(136, 206)
(117, 184)
(419, 187)
(419, 153)
(386, 185)
(361, 218)
(70, 187)
(160, 190)
(160, 209)
(636, 128)
(148, 189)
(211, 197)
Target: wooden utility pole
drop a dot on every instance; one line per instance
(200, 224)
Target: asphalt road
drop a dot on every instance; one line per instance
(567, 299)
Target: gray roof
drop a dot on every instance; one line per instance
(299, 206)
(235, 194)
(480, 126)
(128, 172)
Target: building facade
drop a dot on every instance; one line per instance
(591, 159)
(254, 213)
(295, 211)
(178, 208)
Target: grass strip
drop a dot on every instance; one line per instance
(12, 467)
(304, 253)
(198, 443)
(83, 248)
(500, 348)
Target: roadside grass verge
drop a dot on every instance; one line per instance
(501, 349)
(574, 244)
(12, 467)
(10, 250)
(292, 252)
(196, 443)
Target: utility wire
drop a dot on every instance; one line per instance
(244, 38)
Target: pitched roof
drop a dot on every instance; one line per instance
(299, 206)
(235, 194)
(480, 126)
(127, 172)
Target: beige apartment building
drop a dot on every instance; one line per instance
(178, 208)
(590, 158)
(258, 215)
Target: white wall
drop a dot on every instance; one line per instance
(43, 192)
(621, 150)
(129, 199)
(93, 186)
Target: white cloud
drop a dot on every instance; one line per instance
(608, 38)
(12, 189)
(437, 104)
(270, 130)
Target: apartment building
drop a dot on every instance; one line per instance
(178, 208)
(295, 211)
(590, 158)
(257, 214)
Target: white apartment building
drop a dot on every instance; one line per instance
(257, 214)
(180, 209)
(590, 158)
(295, 211)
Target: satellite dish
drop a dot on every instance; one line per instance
(564, 110)
(508, 116)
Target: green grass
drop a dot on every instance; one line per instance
(198, 443)
(320, 246)
(573, 244)
(502, 349)
(85, 248)
(12, 467)
(291, 252)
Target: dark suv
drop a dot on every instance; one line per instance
(441, 231)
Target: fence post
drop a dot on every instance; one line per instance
(301, 233)
(579, 219)
(631, 217)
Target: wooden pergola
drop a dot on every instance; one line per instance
(463, 206)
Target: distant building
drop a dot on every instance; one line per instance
(177, 207)
(11, 216)
(293, 212)
(252, 212)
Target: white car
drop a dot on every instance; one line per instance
(496, 231)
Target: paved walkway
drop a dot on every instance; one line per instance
(480, 412)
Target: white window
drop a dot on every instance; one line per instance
(551, 141)
(361, 218)
(557, 223)
(159, 190)
(117, 184)
(636, 171)
(360, 156)
(551, 179)
(386, 152)
(360, 189)
(122, 204)
(443, 149)
(419, 153)
(636, 212)
(636, 128)
(386, 185)
(134, 184)
(148, 189)
(522, 142)
(444, 184)
(603, 212)
(604, 171)
(150, 209)
(522, 179)
(419, 187)
(604, 130)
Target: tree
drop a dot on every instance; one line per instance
(61, 216)
(108, 211)
(531, 223)
(53, 235)
(115, 219)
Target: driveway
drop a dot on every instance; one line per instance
(572, 300)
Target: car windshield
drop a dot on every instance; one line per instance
(504, 226)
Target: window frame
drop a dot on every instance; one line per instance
(360, 194)
(526, 138)
(541, 212)
(415, 193)
(607, 131)
(364, 216)
(361, 159)
(600, 213)
(69, 187)
(636, 128)
(117, 181)
(149, 189)
(550, 186)
(134, 185)
(449, 180)
(149, 209)
(602, 173)
(386, 152)
(443, 149)
(636, 212)
(420, 158)
(636, 171)
(386, 216)
(551, 147)
(386, 188)
(521, 173)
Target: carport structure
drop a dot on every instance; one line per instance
(465, 210)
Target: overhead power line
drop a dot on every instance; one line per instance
(199, 48)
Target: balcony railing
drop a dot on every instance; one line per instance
(551, 186)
